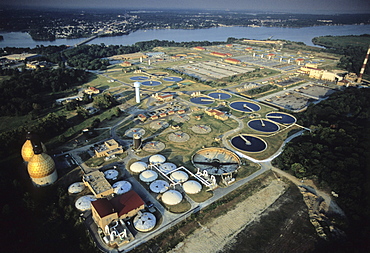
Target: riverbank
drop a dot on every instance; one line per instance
(304, 34)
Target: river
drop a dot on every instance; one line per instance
(305, 35)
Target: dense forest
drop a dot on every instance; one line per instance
(49, 126)
(27, 91)
(336, 154)
(352, 48)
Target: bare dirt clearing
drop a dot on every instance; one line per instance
(217, 233)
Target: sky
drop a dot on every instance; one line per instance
(297, 6)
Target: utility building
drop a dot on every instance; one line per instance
(123, 206)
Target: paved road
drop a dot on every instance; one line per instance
(234, 131)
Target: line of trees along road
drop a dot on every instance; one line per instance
(336, 154)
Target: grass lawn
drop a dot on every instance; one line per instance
(202, 196)
(246, 170)
(9, 122)
(182, 207)
(101, 161)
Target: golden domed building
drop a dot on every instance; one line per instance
(41, 167)
(27, 148)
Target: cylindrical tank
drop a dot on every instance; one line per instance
(137, 141)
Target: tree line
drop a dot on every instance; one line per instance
(48, 127)
(352, 48)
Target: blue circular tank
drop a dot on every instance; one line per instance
(151, 83)
(172, 79)
(219, 95)
(249, 143)
(139, 78)
(245, 106)
(202, 100)
(281, 118)
(263, 125)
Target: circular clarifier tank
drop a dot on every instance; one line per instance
(281, 118)
(263, 125)
(219, 95)
(172, 79)
(245, 106)
(203, 100)
(139, 78)
(248, 143)
(151, 83)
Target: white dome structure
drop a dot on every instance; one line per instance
(192, 187)
(157, 159)
(76, 188)
(84, 203)
(111, 174)
(159, 186)
(138, 167)
(121, 187)
(167, 168)
(179, 176)
(148, 176)
(171, 197)
(145, 222)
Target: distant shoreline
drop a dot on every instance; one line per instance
(305, 35)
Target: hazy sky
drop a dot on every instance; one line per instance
(302, 6)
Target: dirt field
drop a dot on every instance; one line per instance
(217, 234)
(283, 227)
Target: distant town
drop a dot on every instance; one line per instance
(55, 24)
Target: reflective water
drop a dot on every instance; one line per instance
(18, 39)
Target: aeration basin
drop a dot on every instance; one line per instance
(219, 95)
(202, 100)
(249, 143)
(281, 118)
(263, 125)
(245, 106)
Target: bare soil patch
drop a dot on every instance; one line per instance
(283, 227)
(217, 233)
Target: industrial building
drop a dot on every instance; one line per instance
(218, 54)
(98, 184)
(320, 73)
(199, 48)
(108, 148)
(232, 61)
(165, 97)
(104, 211)
(217, 114)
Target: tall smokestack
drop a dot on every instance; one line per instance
(363, 66)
